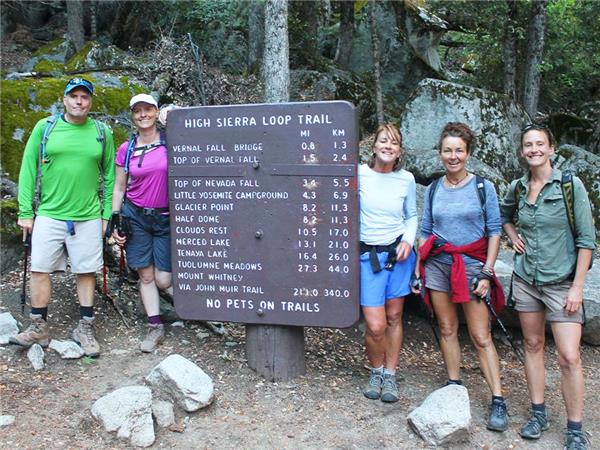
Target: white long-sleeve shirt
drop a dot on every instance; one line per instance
(388, 206)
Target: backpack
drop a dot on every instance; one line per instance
(50, 124)
(131, 148)
(479, 181)
(566, 185)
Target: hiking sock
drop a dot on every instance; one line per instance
(458, 382)
(40, 312)
(154, 320)
(539, 407)
(387, 371)
(378, 370)
(86, 312)
(497, 399)
(576, 426)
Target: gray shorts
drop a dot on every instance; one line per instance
(437, 275)
(550, 298)
(51, 243)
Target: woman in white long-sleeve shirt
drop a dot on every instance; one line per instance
(388, 225)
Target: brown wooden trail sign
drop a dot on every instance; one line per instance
(264, 213)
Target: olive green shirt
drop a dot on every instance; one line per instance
(550, 247)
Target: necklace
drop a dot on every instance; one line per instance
(454, 184)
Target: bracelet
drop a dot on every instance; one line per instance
(487, 270)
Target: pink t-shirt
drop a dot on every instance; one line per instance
(148, 185)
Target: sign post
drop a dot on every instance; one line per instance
(264, 213)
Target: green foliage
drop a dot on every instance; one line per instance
(571, 64)
(571, 68)
(220, 28)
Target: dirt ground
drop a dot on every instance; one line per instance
(323, 409)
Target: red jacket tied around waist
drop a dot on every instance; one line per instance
(459, 285)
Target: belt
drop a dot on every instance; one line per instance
(374, 249)
(147, 211)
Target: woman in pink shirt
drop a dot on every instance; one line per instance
(141, 199)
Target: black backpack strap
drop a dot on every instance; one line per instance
(48, 127)
(566, 184)
(480, 183)
(433, 187)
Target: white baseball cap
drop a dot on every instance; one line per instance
(142, 98)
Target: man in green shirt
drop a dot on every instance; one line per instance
(70, 219)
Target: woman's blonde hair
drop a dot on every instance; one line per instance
(394, 134)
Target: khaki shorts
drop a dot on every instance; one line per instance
(550, 298)
(51, 243)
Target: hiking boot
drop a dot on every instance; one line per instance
(373, 388)
(36, 333)
(576, 440)
(498, 419)
(156, 333)
(84, 336)
(538, 422)
(389, 389)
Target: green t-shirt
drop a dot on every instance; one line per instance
(71, 174)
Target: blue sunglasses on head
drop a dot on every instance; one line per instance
(79, 82)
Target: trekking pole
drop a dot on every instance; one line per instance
(27, 248)
(416, 284)
(490, 307)
(104, 290)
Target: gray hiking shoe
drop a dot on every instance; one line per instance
(372, 389)
(36, 333)
(538, 422)
(84, 336)
(576, 440)
(498, 419)
(156, 333)
(389, 390)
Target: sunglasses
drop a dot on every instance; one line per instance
(534, 126)
(79, 82)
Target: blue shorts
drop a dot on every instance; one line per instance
(377, 288)
(149, 242)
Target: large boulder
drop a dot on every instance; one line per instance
(52, 57)
(8, 327)
(444, 416)
(587, 167)
(128, 411)
(179, 379)
(495, 119)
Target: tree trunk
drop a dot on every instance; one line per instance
(75, 23)
(510, 51)
(256, 35)
(307, 50)
(376, 62)
(535, 51)
(276, 352)
(93, 7)
(344, 44)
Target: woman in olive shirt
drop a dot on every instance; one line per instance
(551, 262)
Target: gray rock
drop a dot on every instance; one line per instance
(6, 420)
(59, 53)
(8, 327)
(36, 356)
(443, 417)
(163, 412)
(128, 411)
(495, 119)
(181, 380)
(66, 349)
